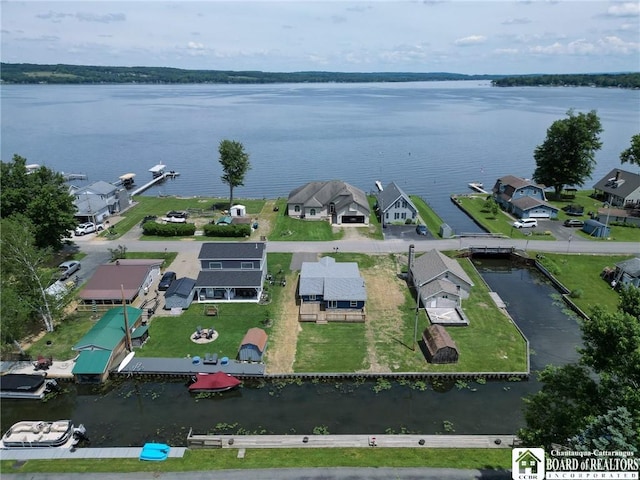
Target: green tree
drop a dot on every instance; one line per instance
(629, 300)
(235, 165)
(632, 154)
(42, 196)
(609, 432)
(567, 156)
(25, 273)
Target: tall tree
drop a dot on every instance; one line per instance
(632, 154)
(42, 196)
(25, 273)
(567, 156)
(235, 165)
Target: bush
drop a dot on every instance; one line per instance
(242, 230)
(577, 293)
(169, 229)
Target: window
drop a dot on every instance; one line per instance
(404, 204)
(312, 212)
(332, 304)
(312, 298)
(246, 265)
(215, 265)
(353, 303)
(296, 208)
(396, 216)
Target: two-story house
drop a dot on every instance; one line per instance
(95, 202)
(395, 205)
(231, 272)
(523, 198)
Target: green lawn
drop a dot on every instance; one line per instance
(501, 223)
(64, 336)
(297, 230)
(224, 459)
(334, 347)
(581, 275)
(431, 218)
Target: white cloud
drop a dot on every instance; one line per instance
(470, 40)
(516, 21)
(605, 46)
(628, 9)
(195, 46)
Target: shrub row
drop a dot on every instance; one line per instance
(240, 230)
(169, 229)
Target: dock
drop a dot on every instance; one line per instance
(478, 187)
(156, 179)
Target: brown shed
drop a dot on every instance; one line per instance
(440, 347)
(253, 345)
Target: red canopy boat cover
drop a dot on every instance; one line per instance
(214, 382)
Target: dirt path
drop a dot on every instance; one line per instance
(285, 333)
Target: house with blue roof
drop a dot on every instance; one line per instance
(331, 291)
(102, 347)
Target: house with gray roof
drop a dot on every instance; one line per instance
(95, 202)
(334, 201)
(523, 198)
(628, 272)
(395, 205)
(331, 290)
(441, 285)
(619, 188)
(231, 272)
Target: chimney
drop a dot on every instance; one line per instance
(617, 175)
(411, 255)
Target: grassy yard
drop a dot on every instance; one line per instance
(335, 347)
(431, 218)
(296, 230)
(216, 459)
(501, 223)
(581, 275)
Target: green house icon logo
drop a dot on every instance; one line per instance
(527, 464)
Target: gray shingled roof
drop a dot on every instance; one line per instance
(626, 184)
(182, 287)
(527, 203)
(332, 280)
(318, 194)
(232, 250)
(391, 194)
(438, 286)
(631, 266)
(229, 278)
(432, 264)
(97, 188)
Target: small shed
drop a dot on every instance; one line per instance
(596, 229)
(179, 294)
(439, 346)
(628, 272)
(253, 345)
(238, 211)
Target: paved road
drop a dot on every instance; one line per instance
(284, 474)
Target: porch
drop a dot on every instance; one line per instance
(316, 312)
(226, 295)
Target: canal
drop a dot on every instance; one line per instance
(132, 412)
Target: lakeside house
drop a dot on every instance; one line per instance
(119, 281)
(96, 202)
(334, 201)
(619, 188)
(627, 273)
(522, 198)
(231, 272)
(331, 291)
(395, 205)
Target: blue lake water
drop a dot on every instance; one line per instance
(432, 138)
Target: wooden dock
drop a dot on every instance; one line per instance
(478, 187)
(151, 183)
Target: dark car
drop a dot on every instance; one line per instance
(572, 222)
(166, 280)
(422, 230)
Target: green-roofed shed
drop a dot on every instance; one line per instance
(103, 345)
(92, 366)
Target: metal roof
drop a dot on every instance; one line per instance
(332, 280)
(109, 331)
(92, 362)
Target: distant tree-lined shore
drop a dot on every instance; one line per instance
(28, 73)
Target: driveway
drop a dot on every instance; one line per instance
(404, 232)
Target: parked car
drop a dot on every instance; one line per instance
(166, 280)
(66, 269)
(88, 227)
(177, 214)
(575, 210)
(572, 222)
(422, 230)
(526, 223)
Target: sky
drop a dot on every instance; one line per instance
(470, 37)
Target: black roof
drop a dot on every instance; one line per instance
(181, 287)
(232, 250)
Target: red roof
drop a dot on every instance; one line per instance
(106, 282)
(255, 336)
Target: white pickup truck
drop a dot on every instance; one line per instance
(88, 227)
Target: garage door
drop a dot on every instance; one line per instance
(353, 219)
(539, 215)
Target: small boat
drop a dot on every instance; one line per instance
(29, 386)
(155, 452)
(127, 180)
(214, 382)
(38, 434)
